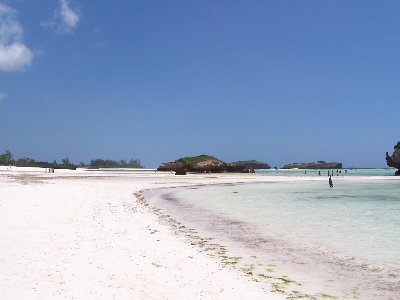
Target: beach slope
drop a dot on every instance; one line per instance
(77, 236)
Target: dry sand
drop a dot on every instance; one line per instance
(83, 235)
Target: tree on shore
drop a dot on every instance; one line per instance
(134, 163)
(6, 159)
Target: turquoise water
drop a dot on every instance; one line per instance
(360, 219)
(343, 172)
(345, 240)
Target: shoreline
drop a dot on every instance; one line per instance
(92, 226)
(291, 285)
(217, 250)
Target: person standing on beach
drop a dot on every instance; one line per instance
(330, 182)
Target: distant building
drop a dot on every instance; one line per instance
(27, 159)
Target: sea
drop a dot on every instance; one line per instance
(297, 234)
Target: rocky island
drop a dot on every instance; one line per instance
(314, 165)
(394, 160)
(251, 164)
(210, 164)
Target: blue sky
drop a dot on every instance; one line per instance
(278, 81)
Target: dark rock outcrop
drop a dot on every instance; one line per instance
(394, 160)
(314, 165)
(171, 166)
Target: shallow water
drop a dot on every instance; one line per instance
(360, 219)
(334, 172)
(343, 241)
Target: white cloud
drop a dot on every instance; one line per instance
(14, 55)
(65, 19)
(2, 95)
(68, 16)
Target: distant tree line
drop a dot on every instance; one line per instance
(108, 163)
(7, 159)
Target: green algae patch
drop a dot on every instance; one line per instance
(327, 296)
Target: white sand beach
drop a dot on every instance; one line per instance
(83, 235)
(91, 235)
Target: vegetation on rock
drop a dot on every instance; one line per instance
(314, 165)
(192, 160)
